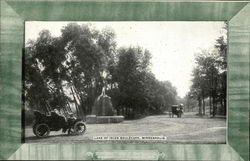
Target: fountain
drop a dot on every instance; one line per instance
(103, 111)
(103, 105)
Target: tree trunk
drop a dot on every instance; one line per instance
(203, 105)
(225, 106)
(126, 111)
(123, 113)
(69, 107)
(221, 106)
(81, 106)
(214, 109)
(188, 105)
(76, 104)
(47, 111)
(210, 104)
(199, 103)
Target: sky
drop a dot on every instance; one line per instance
(173, 44)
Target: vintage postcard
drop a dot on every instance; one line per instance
(125, 82)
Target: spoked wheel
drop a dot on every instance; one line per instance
(79, 128)
(41, 130)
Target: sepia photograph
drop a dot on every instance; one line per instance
(125, 82)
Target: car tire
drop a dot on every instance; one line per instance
(41, 130)
(79, 128)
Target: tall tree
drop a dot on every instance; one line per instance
(139, 91)
(68, 71)
(74, 61)
(209, 77)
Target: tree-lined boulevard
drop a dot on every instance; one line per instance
(69, 72)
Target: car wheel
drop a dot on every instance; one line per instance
(79, 128)
(41, 130)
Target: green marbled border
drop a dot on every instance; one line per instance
(14, 13)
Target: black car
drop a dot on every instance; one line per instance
(43, 124)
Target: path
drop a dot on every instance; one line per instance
(188, 129)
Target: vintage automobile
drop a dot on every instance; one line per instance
(43, 124)
(177, 110)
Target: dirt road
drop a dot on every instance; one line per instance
(188, 129)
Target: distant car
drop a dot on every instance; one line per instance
(177, 110)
